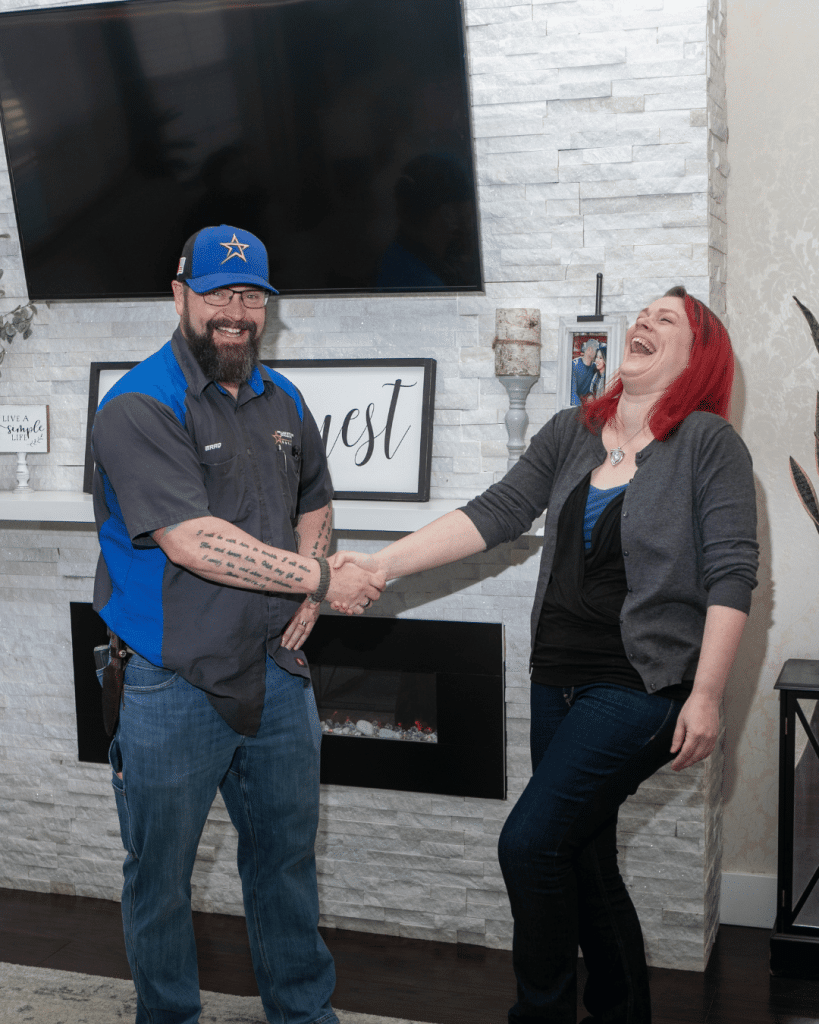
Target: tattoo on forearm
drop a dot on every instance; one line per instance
(244, 564)
(322, 541)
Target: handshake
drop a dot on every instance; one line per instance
(356, 580)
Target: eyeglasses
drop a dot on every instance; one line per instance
(250, 298)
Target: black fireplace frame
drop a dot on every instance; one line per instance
(467, 659)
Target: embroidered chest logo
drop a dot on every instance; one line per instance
(210, 447)
(281, 437)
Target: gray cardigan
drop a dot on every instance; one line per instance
(688, 530)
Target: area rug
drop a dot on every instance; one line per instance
(37, 995)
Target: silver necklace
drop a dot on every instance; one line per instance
(616, 455)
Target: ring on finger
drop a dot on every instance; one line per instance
(303, 623)
(366, 602)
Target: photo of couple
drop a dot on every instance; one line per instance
(588, 367)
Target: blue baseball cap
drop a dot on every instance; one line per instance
(220, 257)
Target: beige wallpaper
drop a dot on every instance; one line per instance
(773, 254)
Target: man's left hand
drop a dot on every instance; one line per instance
(301, 625)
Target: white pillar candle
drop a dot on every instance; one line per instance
(517, 342)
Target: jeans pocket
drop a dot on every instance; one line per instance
(115, 760)
(142, 676)
(313, 716)
(674, 708)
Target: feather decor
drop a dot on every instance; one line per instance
(804, 488)
(812, 322)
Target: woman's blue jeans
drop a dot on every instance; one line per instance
(592, 746)
(174, 750)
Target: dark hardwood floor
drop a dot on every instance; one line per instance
(426, 981)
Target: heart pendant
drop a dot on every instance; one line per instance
(616, 455)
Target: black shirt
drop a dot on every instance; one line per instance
(578, 639)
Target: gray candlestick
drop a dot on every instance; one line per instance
(516, 419)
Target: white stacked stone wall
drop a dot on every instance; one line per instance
(594, 146)
(718, 167)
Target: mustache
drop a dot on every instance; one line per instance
(240, 325)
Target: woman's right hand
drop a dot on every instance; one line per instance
(364, 561)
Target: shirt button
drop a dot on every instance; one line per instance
(630, 589)
(625, 554)
(625, 514)
(250, 451)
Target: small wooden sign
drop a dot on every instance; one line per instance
(24, 428)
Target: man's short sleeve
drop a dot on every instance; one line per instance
(150, 462)
(316, 488)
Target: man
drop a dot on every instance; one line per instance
(213, 506)
(583, 372)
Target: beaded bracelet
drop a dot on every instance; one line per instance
(320, 592)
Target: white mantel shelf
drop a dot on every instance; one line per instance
(361, 516)
(351, 516)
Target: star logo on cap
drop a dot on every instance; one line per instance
(235, 248)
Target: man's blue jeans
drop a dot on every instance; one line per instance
(174, 750)
(591, 746)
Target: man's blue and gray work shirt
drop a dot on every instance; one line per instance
(171, 445)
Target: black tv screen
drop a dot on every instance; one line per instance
(338, 131)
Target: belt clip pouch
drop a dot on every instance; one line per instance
(101, 657)
(113, 681)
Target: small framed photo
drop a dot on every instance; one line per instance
(375, 417)
(589, 355)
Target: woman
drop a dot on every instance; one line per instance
(599, 383)
(649, 545)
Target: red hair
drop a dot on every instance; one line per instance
(704, 385)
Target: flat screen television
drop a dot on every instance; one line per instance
(336, 130)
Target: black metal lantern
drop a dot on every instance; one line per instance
(795, 940)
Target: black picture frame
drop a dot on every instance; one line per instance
(324, 380)
(98, 372)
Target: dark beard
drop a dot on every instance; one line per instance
(233, 365)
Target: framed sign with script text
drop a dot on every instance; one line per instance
(374, 415)
(24, 428)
